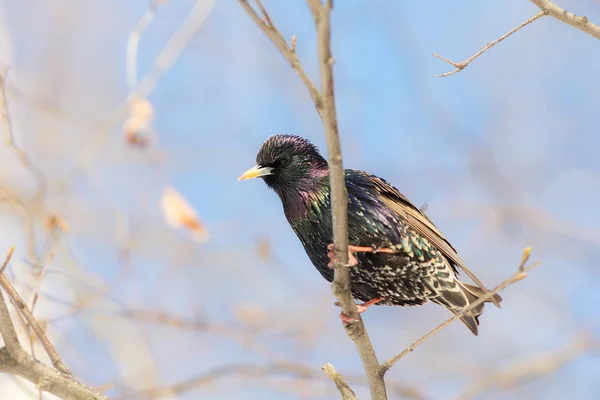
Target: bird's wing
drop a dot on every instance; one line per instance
(396, 201)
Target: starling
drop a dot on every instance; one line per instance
(398, 257)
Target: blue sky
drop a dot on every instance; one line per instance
(504, 152)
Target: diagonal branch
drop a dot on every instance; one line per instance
(163, 63)
(7, 328)
(288, 52)
(581, 23)
(547, 7)
(33, 323)
(345, 391)
(25, 160)
(175, 46)
(133, 45)
(44, 377)
(16, 361)
(262, 371)
(532, 368)
(516, 277)
(462, 65)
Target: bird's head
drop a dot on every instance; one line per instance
(287, 162)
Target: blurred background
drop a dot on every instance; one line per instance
(226, 304)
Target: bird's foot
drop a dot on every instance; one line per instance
(360, 308)
(352, 261)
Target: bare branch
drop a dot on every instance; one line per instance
(165, 318)
(296, 370)
(36, 292)
(14, 360)
(325, 105)
(288, 52)
(5, 194)
(7, 328)
(133, 45)
(535, 367)
(517, 276)
(44, 377)
(462, 65)
(339, 201)
(36, 296)
(345, 390)
(164, 61)
(266, 16)
(9, 254)
(21, 155)
(547, 8)
(581, 23)
(175, 46)
(33, 323)
(225, 371)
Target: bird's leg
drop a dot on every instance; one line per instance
(360, 308)
(385, 250)
(352, 261)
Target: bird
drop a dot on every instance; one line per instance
(397, 256)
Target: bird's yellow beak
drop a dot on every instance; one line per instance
(256, 172)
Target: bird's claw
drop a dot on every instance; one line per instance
(352, 261)
(347, 320)
(360, 308)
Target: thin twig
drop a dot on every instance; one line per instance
(581, 23)
(267, 17)
(7, 328)
(164, 61)
(14, 360)
(175, 46)
(534, 367)
(9, 254)
(345, 391)
(22, 155)
(40, 279)
(462, 65)
(33, 323)
(133, 45)
(44, 377)
(5, 194)
(517, 276)
(35, 299)
(292, 369)
(289, 53)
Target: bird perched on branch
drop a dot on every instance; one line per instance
(398, 257)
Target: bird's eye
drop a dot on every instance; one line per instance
(277, 164)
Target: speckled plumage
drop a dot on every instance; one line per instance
(379, 216)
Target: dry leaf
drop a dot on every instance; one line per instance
(179, 213)
(251, 315)
(55, 222)
(141, 115)
(264, 249)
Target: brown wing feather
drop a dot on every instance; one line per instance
(423, 225)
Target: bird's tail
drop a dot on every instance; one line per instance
(458, 296)
(472, 293)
